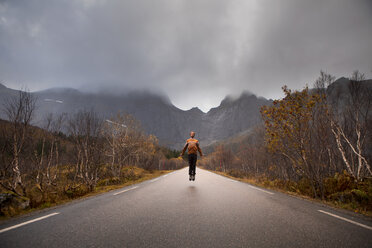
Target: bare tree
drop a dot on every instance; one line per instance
(47, 152)
(128, 144)
(86, 130)
(19, 111)
(350, 127)
(115, 132)
(324, 80)
(224, 157)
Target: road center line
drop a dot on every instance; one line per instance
(125, 190)
(267, 192)
(27, 222)
(344, 219)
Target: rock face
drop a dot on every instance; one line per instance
(156, 113)
(338, 93)
(233, 117)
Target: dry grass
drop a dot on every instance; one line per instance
(144, 175)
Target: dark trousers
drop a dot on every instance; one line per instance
(192, 163)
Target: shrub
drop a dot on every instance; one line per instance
(76, 191)
(236, 173)
(360, 196)
(108, 181)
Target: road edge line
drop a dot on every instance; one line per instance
(267, 192)
(345, 219)
(27, 222)
(123, 191)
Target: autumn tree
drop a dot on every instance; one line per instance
(290, 131)
(251, 152)
(223, 157)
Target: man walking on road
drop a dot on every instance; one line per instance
(193, 147)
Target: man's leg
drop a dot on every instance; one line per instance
(190, 164)
(195, 157)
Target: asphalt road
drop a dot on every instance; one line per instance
(170, 211)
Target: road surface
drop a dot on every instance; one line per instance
(170, 211)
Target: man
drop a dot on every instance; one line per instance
(193, 147)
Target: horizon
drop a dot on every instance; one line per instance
(161, 94)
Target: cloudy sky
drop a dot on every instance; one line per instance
(195, 51)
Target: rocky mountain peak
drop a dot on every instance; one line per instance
(230, 99)
(156, 113)
(195, 110)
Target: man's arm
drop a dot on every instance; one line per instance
(199, 149)
(184, 149)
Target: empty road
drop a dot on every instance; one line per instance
(170, 211)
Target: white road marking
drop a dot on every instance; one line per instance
(344, 219)
(165, 175)
(153, 180)
(125, 190)
(232, 181)
(27, 222)
(267, 192)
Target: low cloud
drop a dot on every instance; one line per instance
(194, 51)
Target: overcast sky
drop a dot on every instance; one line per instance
(195, 51)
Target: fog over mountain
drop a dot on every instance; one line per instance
(156, 113)
(210, 47)
(158, 116)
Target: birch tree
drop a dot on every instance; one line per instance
(19, 111)
(46, 152)
(85, 127)
(349, 125)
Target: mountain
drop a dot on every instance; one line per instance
(339, 92)
(158, 116)
(156, 113)
(233, 116)
(338, 96)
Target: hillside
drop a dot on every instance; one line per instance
(160, 117)
(338, 95)
(156, 113)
